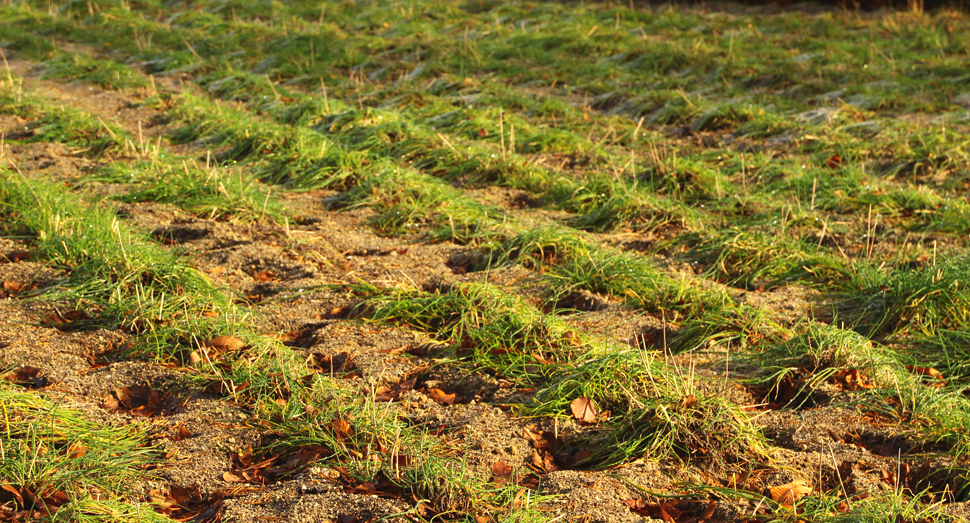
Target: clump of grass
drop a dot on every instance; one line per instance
(215, 192)
(811, 357)
(61, 124)
(924, 300)
(117, 278)
(569, 261)
(821, 347)
(88, 471)
(691, 428)
(535, 248)
(406, 199)
(656, 411)
(495, 329)
(947, 351)
(106, 73)
(602, 204)
(873, 377)
(293, 156)
(719, 324)
(751, 259)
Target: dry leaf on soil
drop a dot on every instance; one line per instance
(140, 401)
(265, 276)
(29, 377)
(584, 410)
(789, 493)
(14, 286)
(226, 343)
(443, 397)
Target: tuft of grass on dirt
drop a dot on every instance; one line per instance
(116, 278)
(59, 466)
(106, 73)
(925, 300)
(88, 136)
(493, 329)
(216, 193)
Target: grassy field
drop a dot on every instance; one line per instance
(518, 261)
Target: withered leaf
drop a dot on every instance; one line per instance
(188, 504)
(13, 492)
(709, 511)
(851, 380)
(140, 401)
(583, 409)
(789, 493)
(14, 286)
(394, 391)
(29, 377)
(17, 256)
(669, 512)
(638, 506)
(501, 469)
(229, 477)
(688, 401)
(443, 397)
(197, 356)
(264, 276)
(337, 364)
(925, 371)
(341, 429)
(181, 433)
(226, 343)
(76, 451)
(397, 350)
(65, 321)
(385, 394)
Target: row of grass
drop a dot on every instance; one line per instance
(243, 82)
(390, 155)
(63, 467)
(150, 175)
(122, 280)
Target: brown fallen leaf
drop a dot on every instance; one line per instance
(76, 450)
(182, 433)
(339, 363)
(140, 401)
(925, 371)
(29, 377)
(17, 256)
(341, 429)
(851, 379)
(688, 401)
(443, 397)
(583, 410)
(403, 349)
(392, 392)
(14, 493)
(229, 477)
(501, 469)
(226, 343)
(14, 286)
(264, 276)
(789, 493)
(197, 356)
